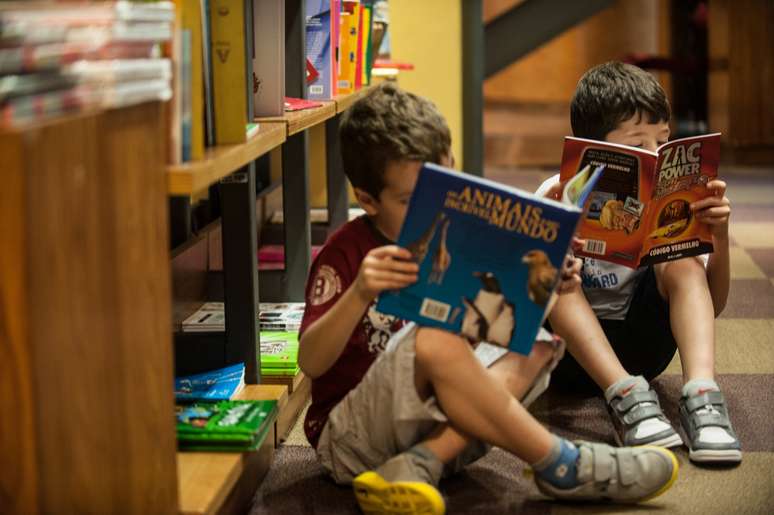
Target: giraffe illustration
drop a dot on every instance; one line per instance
(441, 258)
(420, 247)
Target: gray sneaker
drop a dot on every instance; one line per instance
(638, 419)
(708, 430)
(403, 484)
(619, 474)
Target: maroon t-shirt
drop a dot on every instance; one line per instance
(332, 272)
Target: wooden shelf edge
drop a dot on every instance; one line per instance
(188, 178)
(298, 121)
(344, 102)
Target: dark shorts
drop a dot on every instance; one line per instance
(643, 341)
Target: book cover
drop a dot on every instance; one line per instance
(488, 254)
(348, 53)
(227, 33)
(279, 352)
(360, 52)
(214, 385)
(320, 53)
(269, 59)
(639, 212)
(211, 317)
(227, 425)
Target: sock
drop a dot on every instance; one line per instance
(710, 434)
(628, 384)
(559, 467)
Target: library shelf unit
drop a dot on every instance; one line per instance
(225, 482)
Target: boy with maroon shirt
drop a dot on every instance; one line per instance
(395, 405)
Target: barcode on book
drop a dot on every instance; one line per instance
(435, 310)
(595, 247)
(316, 90)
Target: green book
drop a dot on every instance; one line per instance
(279, 351)
(225, 425)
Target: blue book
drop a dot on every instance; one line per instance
(214, 385)
(320, 58)
(489, 256)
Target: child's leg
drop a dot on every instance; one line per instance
(573, 319)
(477, 404)
(683, 284)
(703, 412)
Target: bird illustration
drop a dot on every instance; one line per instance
(489, 317)
(420, 247)
(501, 329)
(441, 258)
(541, 277)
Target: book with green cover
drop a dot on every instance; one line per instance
(279, 352)
(225, 425)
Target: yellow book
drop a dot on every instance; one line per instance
(229, 82)
(348, 53)
(191, 19)
(366, 29)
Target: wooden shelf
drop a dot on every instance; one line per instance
(344, 102)
(189, 178)
(224, 482)
(298, 121)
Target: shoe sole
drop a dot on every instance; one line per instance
(376, 496)
(672, 478)
(673, 440)
(715, 455)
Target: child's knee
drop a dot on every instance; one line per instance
(687, 272)
(435, 348)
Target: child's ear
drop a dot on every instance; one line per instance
(366, 201)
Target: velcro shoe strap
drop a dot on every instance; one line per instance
(699, 401)
(603, 462)
(633, 398)
(627, 468)
(644, 412)
(710, 420)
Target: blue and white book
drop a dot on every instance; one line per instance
(489, 256)
(214, 385)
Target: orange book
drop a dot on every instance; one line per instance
(639, 212)
(348, 53)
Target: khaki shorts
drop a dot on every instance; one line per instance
(383, 416)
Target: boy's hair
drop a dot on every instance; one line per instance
(611, 93)
(389, 124)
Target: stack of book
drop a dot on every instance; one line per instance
(62, 57)
(211, 317)
(215, 385)
(234, 426)
(279, 353)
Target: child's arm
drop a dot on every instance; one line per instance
(715, 211)
(383, 268)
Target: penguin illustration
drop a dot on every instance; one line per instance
(489, 317)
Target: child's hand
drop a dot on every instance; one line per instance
(570, 279)
(385, 268)
(555, 191)
(714, 210)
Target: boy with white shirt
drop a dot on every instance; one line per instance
(624, 326)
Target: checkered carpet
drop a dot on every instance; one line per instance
(745, 368)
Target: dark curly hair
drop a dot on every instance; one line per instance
(611, 93)
(389, 124)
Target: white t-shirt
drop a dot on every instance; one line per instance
(608, 287)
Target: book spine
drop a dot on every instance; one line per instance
(228, 70)
(194, 79)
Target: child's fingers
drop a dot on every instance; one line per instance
(555, 191)
(577, 243)
(717, 186)
(390, 251)
(710, 202)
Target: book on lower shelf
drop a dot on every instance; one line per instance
(279, 353)
(272, 316)
(234, 426)
(215, 385)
